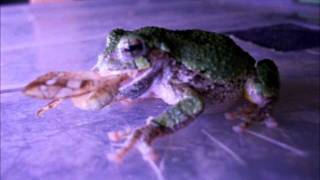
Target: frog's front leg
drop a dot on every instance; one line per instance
(187, 105)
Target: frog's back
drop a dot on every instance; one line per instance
(212, 54)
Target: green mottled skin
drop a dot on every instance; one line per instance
(214, 55)
(211, 55)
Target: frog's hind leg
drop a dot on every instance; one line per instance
(242, 112)
(261, 92)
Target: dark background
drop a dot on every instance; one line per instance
(13, 1)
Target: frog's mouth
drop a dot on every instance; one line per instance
(133, 75)
(141, 72)
(138, 76)
(130, 73)
(140, 81)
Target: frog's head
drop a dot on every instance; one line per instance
(125, 51)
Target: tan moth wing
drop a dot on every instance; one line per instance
(61, 85)
(79, 86)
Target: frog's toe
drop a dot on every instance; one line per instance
(245, 112)
(115, 157)
(143, 135)
(238, 129)
(241, 127)
(148, 153)
(231, 115)
(115, 136)
(270, 122)
(119, 135)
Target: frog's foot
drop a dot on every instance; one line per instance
(117, 136)
(242, 112)
(141, 138)
(120, 135)
(247, 121)
(269, 120)
(250, 114)
(247, 114)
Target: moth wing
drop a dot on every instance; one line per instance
(61, 85)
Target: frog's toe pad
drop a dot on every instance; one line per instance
(238, 128)
(117, 136)
(114, 157)
(270, 122)
(147, 151)
(231, 115)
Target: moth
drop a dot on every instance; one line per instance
(80, 87)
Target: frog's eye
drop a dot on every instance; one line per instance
(131, 47)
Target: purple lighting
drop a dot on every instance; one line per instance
(69, 143)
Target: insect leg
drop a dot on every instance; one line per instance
(51, 105)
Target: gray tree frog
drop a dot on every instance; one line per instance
(187, 69)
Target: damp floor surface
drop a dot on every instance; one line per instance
(68, 143)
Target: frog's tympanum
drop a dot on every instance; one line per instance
(187, 69)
